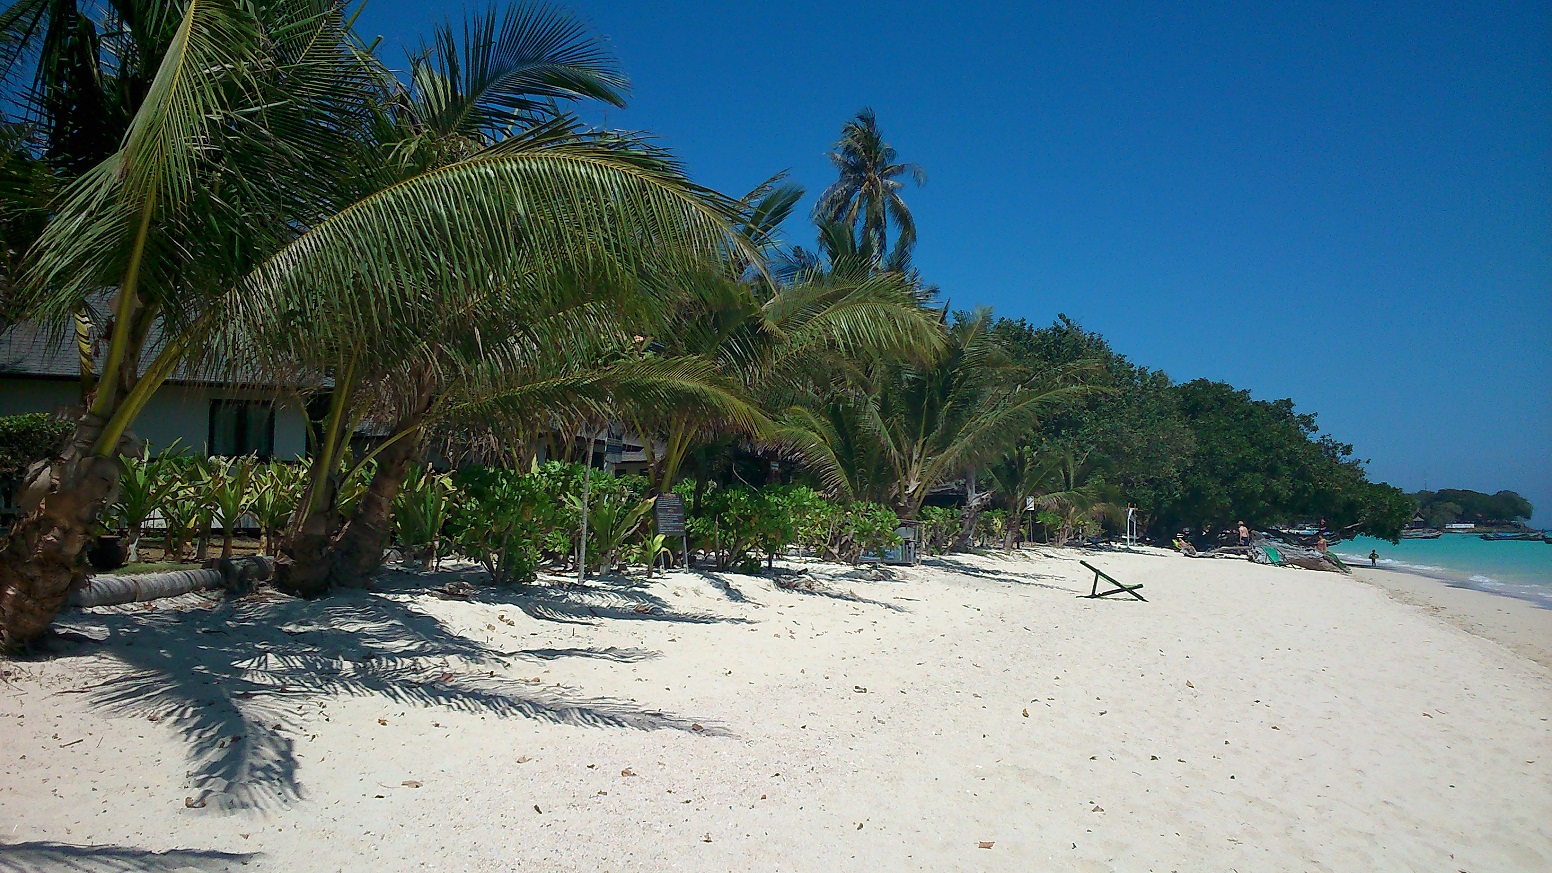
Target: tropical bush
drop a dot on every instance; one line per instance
(143, 486)
(938, 526)
(499, 520)
(27, 439)
(277, 491)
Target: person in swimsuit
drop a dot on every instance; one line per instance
(1244, 534)
(1374, 558)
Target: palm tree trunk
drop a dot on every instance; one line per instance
(358, 553)
(42, 555)
(305, 573)
(305, 548)
(971, 512)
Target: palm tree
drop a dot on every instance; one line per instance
(867, 194)
(90, 64)
(273, 125)
(930, 423)
(1077, 494)
(783, 351)
(589, 258)
(227, 136)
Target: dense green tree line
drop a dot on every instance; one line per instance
(1449, 506)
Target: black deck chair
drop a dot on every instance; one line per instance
(1119, 588)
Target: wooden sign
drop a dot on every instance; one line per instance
(668, 511)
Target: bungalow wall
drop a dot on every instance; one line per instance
(176, 411)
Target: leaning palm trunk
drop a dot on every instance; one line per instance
(358, 553)
(42, 557)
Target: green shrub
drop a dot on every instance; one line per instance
(873, 528)
(498, 521)
(26, 439)
(939, 524)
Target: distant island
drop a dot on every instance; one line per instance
(1447, 506)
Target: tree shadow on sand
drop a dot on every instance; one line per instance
(30, 857)
(608, 597)
(966, 568)
(241, 680)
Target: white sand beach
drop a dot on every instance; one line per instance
(968, 714)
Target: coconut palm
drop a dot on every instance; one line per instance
(272, 124)
(1077, 495)
(926, 424)
(90, 65)
(616, 216)
(867, 194)
(1020, 475)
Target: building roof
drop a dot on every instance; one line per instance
(26, 350)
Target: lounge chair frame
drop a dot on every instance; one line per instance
(1120, 587)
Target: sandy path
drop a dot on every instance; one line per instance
(1246, 717)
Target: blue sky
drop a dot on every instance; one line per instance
(1348, 204)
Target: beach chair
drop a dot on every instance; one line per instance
(1119, 588)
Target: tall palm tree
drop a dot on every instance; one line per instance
(867, 194)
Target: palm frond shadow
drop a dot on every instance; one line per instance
(722, 585)
(48, 855)
(612, 597)
(819, 588)
(968, 569)
(241, 681)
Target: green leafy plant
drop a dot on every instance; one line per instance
(652, 548)
(231, 491)
(991, 527)
(939, 525)
(277, 489)
(143, 486)
(421, 510)
(27, 439)
(873, 528)
(613, 519)
(497, 522)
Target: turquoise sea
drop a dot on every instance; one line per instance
(1513, 569)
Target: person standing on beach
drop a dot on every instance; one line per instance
(1374, 558)
(1244, 534)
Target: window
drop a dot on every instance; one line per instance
(242, 427)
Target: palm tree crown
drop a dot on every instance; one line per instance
(868, 190)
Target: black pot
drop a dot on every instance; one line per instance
(108, 553)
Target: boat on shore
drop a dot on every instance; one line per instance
(1514, 536)
(1421, 533)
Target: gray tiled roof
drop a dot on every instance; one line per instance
(26, 349)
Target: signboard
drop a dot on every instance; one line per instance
(668, 511)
